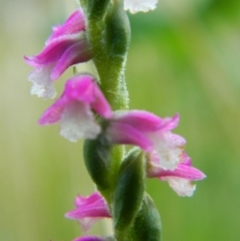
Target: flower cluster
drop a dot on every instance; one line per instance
(84, 112)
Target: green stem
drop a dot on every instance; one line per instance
(108, 32)
(109, 37)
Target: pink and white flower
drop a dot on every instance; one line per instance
(95, 238)
(89, 210)
(90, 238)
(180, 178)
(74, 109)
(66, 46)
(151, 133)
(135, 6)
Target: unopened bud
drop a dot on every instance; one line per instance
(129, 192)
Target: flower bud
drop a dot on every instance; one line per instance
(117, 31)
(147, 225)
(129, 192)
(97, 159)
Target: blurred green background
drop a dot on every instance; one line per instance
(184, 57)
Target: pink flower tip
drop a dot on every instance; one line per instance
(89, 209)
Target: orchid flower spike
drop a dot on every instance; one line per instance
(180, 178)
(66, 46)
(151, 133)
(74, 109)
(135, 6)
(89, 210)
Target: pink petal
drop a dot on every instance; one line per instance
(183, 171)
(80, 88)
(145, 121)
(170, 123)
(53, 51)
(100, 104)
(78, 52)
(142, 120)
(84, 88)
(74, 24)
(89, 210)
(53, 113)
(124, 134)
(90, 206)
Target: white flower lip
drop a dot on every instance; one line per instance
(135, 6)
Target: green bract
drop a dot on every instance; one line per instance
(128, 194)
